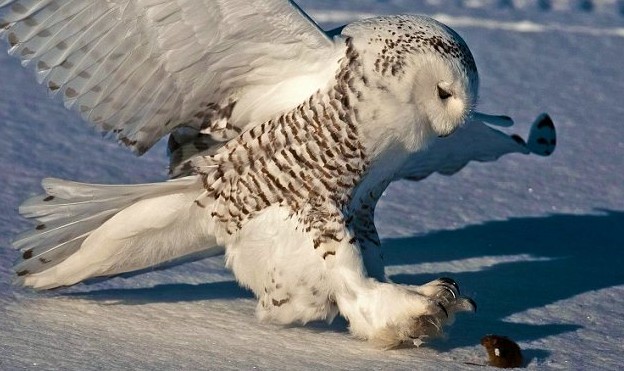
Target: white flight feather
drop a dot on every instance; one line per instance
(75, 47)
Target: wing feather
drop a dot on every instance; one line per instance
(476, 141)
(141, 68)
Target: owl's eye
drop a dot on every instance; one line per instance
(444, 94)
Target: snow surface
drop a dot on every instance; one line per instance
(537, 242)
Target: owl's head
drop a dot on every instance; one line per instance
(421, 62)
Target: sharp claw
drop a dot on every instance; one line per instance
(436, 325)
(451, 291)
(450, 282)
(443, 309)
(472, 303)
(463, 304)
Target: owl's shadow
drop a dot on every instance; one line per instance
(577, 254)
(166, 293)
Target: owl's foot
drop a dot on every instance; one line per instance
(389, 314)
(446, 292)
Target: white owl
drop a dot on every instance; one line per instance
(282, 139)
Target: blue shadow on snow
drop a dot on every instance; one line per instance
(586, 253)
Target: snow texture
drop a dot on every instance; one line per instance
(537, 242)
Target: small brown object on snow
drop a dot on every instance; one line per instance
(502, 351)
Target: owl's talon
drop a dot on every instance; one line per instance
(450, 282)
(444, 289)
(446, 302)
(450, 291)
(464, 304)
(429, 325)
(443, 309)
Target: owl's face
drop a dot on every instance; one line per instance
(442, 92)
(422, 64)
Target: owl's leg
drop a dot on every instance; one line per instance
(298, 281)
(369, 243)
(385, 313)
(273, 256)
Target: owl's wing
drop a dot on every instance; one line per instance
(141, 68)
(476, 141)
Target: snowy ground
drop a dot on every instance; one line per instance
(536, 242)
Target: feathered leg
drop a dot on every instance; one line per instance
(386, 313)
(298, 281)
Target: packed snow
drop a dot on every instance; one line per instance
(537, 242)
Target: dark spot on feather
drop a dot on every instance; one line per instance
(13, 40)
(27, 52)
(127, 142)
(40, 227)
(279, 303)
(42, 66)
(53, 86)
(27, 254)
(19, 8)
(71, 93)
(22, 273)
(328, 253)
(83, 74)
(44, 33)
(49, 198)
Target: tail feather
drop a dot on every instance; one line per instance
(88, 230)
(38, 260)
(46, 208)
(50, 244)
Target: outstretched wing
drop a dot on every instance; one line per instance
(476, 141)
(141, 68)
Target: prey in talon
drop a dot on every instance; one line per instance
(282, 138)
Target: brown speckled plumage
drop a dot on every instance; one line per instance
(400, 38)
(309, 159)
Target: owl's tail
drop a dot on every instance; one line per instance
(91, 230)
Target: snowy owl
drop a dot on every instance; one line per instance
(282, 138)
